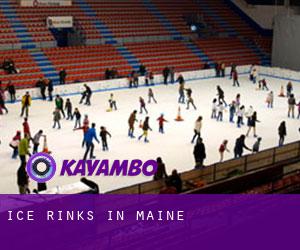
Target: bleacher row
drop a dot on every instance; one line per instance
(89, 62)
(110, 21)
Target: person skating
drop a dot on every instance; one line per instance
(291, 104)
(142, 105)
(26, 102)
(166, 73)
(222, 149)
(88, 95)
(145, 128)
(289, 89)
(50, 89)
(161, 172)
(151, 77)
(103, 135)
(221, 95)
(252, 124)
(172, 75)
(240, 146)
(181, 98)
(151, 96)
(249, 114)
(36, 141)
(214, 109)
(282, 133)
(197, 129)
(190, 100)
(221, 109)
(240, 116)
(161, 120)
(84, 128)
(89, 136)
(262, 84)
(23, 149)
(2, 102)
(77, 116)
(199, 153)
(112, 102)
(56, 118)
(23, 179)
(12, 92)
(14, 144)
(26, 128)
(59, 103)
(238, 101)
(256, 145)
(235, 77)
(298, 105)
(270, 99)
(68, 108)
(232, 111)
(132, 119)
(41, 84)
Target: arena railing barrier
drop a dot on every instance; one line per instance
(224, 170)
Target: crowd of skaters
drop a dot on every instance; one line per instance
(21, 145)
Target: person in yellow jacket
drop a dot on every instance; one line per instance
(26, 102)
(24, 149)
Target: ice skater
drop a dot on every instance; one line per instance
(190, 100)
(36, 141)
(161, 120)
(237, 101)
(151, 78)
(222, 149)
(289, 89)
(252, 124)
(26, 102)
(298, 106)
(87, 94)
(221, 109)
(291, 104)
(132, 119)
(214, 109)
(151, 96)
(56, 118)
(270, 99)
(282, 133)
(59, 103)
(199, 153)
(142, 105)
(112, 102)
(262, 85)
(197, 129)
(77, 116)
(68, 108)
(240, 116)
(89, 136)
(14, 144)
(240, 146)
(2, 102)
(181, 98)
(235, 77)
(232, 111)
(221, 95)
(103, 135)
(256, 145)
(26, 128)
(145, 128)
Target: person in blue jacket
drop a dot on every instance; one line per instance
(89, 136)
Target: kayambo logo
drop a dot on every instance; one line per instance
(41, 167)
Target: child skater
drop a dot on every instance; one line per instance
(151, 96)
(112, 102)
(181, 98)
(145, 128)
(256, 145)
(221, 95)
(161, 120)
(270, 99)
(252, 124)
(262, 84)
(221, 109)
(143, 106)
(237, 101)
(77, 116)
(222, 149)
(56, 118)
(68, 108)
(214, 109)
(103, 134)
(232, 110)
(132, 119)
(240, 116)
(197, 129)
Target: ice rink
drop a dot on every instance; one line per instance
(174, 146)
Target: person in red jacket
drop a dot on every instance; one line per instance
(84, 128)
(161, 120)
(26, 128)
(235, 77)
(14, 144)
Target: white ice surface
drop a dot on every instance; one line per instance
(174, 146)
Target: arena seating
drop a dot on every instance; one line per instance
(153, 32)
